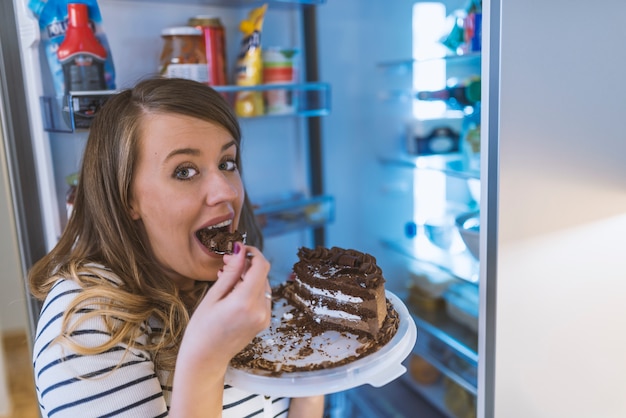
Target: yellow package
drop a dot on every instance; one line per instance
(249, 68)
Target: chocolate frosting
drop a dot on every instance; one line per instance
(335, 261)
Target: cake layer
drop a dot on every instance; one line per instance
(339, 317)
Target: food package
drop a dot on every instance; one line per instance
(52, 16)
(422, 371)
(249, 68)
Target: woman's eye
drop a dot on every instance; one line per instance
(229, 165)
(185, 173)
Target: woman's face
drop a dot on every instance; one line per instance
(186, 179)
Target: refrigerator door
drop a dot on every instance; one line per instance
(28, 167)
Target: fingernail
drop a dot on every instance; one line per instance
(237, 247)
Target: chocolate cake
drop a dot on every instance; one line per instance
(332, 313)
(219, 241)
(341, 289)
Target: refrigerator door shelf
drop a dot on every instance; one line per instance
(75, 111)
(244, 3)
(301, 99)
(281, 217)
(72, 112)
(376, 369)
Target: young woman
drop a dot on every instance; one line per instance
(139, 318)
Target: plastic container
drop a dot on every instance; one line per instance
(183, 54)
(462, 304)
(279, 67)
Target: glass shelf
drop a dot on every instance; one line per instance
(439, 326)
(404, 66)
(462, 265)
(75, 111)
(434, 393)
(447, 361)
(453, 165)
(449, 401)
(277, 218)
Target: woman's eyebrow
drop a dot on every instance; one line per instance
(228, 145)
(183, 151)
(195, 151)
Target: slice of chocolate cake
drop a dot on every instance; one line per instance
(340, 289)
(219, 241)
(333, 312)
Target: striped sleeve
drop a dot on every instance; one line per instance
(239, 404)
(118, 382)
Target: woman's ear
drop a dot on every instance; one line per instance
(134, 214)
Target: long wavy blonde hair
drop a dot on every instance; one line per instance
(102, 231)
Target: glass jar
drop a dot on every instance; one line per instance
(183, 54)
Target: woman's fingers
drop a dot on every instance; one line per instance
(247, 270)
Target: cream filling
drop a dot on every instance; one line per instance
(339, 296)
(332, 313)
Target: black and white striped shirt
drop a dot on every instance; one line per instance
(118, 382)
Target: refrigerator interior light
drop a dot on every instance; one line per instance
(429, 23)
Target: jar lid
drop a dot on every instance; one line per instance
(181, 30)
(205, 20)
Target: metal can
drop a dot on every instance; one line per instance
(214, 41)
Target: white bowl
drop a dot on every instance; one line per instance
(468, 225)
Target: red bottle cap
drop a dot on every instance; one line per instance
(79, 37)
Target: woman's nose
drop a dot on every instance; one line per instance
(222, 186)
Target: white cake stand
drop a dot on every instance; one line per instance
(376, 369)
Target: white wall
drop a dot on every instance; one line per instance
(560, 295)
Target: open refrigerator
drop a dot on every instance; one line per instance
(343, 168)
(292, 159)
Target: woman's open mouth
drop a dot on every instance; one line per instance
(219, 239)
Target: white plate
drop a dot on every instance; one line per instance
(376, 369)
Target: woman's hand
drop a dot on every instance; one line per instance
(236, 304)
(233, 311)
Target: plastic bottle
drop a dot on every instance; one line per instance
(464, 94)
(81, 55)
